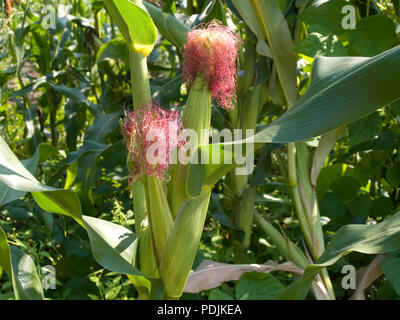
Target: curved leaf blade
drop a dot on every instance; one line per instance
(26, 282)
(113, 246)
(17, 177)
(21, 269)
(7, 194)
(113, 50)
(369, 239)
(170, 27)
(267, 22)
(135, 24)
(343, 90)
(5, 255)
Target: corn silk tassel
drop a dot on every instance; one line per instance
(153, 134)
(210, 60)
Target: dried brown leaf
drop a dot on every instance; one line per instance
(366, 276)
(211, 274)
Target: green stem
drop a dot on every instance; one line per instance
(301, 215)
(299, 22)
(97, 22)
(310, 207)
(140, 78)
(244, 214)
(287, 79)
(328, 284)
(310, 225)
(53, 117)
(142, 225)
(287, 248)
(141, 95)
(113, 33)
(244, 211)
(21, 83)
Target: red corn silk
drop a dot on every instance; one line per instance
(151, 133)
(213, 52)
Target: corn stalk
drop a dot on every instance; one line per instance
(267, 22)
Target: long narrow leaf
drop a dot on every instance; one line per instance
(342, 90)
(21, 270)
(268, 23)
(369, 239)
(17, 177)
(113, 246)
(170, 27)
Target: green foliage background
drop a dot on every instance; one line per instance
(63, 92)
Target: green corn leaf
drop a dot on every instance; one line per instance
(160, 214)
(5, 255)
(391, 268)
(258, 286)
(89, 150)
(17, 177)
(170, 27)
(88, 147)
(325, 146)
(267, 22)
(42, 153)
(26, 282)
(342, 90)
(113, 50)
(103, 125)
(6, 193)
(45, 152)
(21, 270)
(326, 14)
(249, 15)
(142, 285)
(72, 93)
(244, 214)
(134, 23)
(202, 174)
(369, 239)
(113, 246)
(146, 263)
(32, 124)
(179, 253)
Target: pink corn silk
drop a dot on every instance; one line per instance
(213, 51)
(152, 122)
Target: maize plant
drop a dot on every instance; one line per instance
(178, 133)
